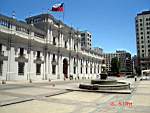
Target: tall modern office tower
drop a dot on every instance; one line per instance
(86, 39)
(142, 22)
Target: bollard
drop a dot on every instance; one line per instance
(53, 85)
(135, 78)
(3, 82)
(30, 81)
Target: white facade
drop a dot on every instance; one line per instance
(143, 39)
(44, 49)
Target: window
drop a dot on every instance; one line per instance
(83, 39)
(21, 68)
(21, 51)
(142, 55)
(65, 44)
(54, 40)
(141, 33)
(53, 57)
(141, 24)
(74, 70)
(0, 47)
(38, 69)
(147, 19)
(86, 70)
(74, 47)
(142, 46)
(81, 70)
(94, 69)
(141, 37)
(38, 54)
(142, 50)
(53, 69)
(142, 42)
(91, 70)
(1, 67)
(140, 20)
(81, 66)
(147, 24)
(147, 32)
(141, 28)
(147, 36)
(98, 69)
(82, 34)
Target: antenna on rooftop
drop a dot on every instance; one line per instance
(13, 14)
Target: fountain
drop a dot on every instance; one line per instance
(105, 84)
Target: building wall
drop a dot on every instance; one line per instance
(124, 58)
(86, 39)
(142, 22)
(15, 36)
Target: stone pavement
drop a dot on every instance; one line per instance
(47, 98)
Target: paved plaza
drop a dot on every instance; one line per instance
(52, 97)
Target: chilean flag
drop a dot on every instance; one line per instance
(58, 7)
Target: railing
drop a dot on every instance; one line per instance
(19, 33)
(39, 39)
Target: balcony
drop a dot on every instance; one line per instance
(22, 55)
(54, 62)
(2, 57)
(21, 58)
(38, 60)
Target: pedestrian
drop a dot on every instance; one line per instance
(135, 78)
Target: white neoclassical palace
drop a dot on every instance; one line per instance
(43, 48)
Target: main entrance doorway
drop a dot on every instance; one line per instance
(65, 68)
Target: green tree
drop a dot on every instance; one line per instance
(115, 65)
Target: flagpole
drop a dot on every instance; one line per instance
(64, 12)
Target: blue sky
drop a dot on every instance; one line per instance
(111, 22)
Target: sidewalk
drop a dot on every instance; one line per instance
(41, 81)
(26, 99)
